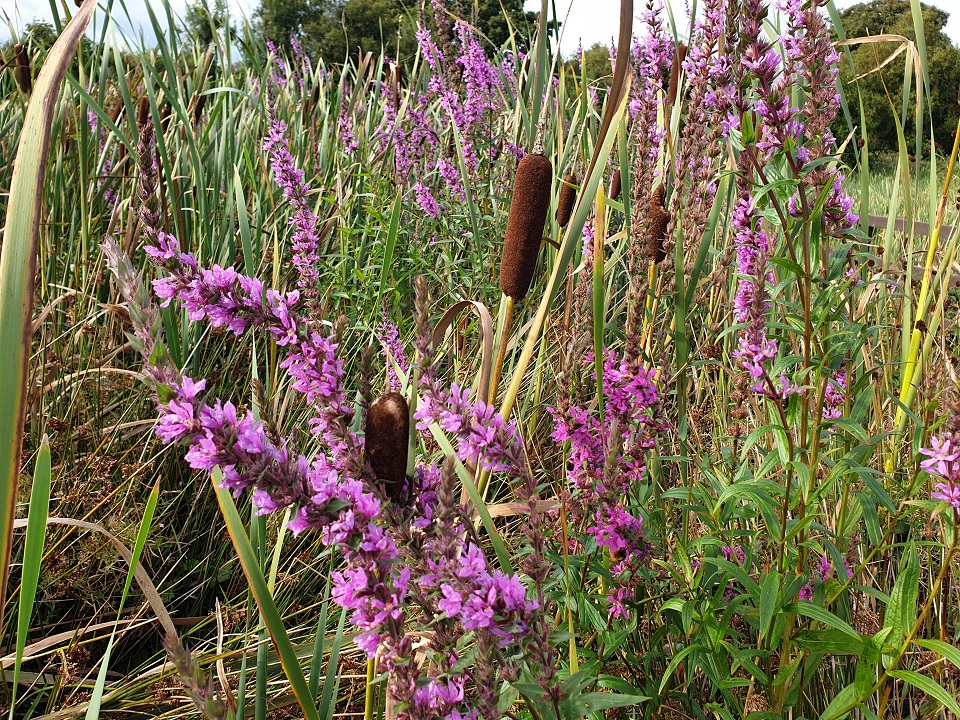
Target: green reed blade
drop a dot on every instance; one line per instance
(258, 586)
(18, 261)
(32, 555)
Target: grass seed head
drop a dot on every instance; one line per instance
(568, 197)
(387, 435)
(528, 213)
(24, 76)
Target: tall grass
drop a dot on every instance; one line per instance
(724, 476)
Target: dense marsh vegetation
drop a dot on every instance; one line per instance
(468, 387)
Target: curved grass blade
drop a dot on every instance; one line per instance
(18, 264)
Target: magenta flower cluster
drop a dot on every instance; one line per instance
(398, 559)
(291, 181)
(824, 571)
(943, 462)
(607, 458)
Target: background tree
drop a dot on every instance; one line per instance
(335, 28)
(881, 91)
(203, 18)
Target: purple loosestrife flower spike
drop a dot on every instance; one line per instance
(291, 181)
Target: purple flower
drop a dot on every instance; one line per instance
(426, 200)
(290, 179)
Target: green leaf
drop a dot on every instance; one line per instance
(596, 701)
(768, 601)
(901, 611)
(930, 686)
(845, 701)
(392, 233)
(829, 642)
(815, 612)
(32, 555)
(950, 652)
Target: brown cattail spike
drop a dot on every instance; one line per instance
(659, 222)
(615, 185)
(387, 435)
(115, 113)
(528, 213)
(568, 196)
(198, 109)
(24, 76)
(675, 69)
(143, 112)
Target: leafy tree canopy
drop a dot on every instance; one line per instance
(334, 29)
(881, 91)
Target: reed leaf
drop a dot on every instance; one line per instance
(18, 265)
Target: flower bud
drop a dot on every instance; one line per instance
(386, 443)
(528, 213)
(568, 197)
(24, 76)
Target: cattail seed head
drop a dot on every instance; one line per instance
(117, 109)
(658, 222)
(198, 109)
(24, 76)
(568, 197)
(615, 185)
(675, 69)
(528, 213)
(143, 112)
(387, 435)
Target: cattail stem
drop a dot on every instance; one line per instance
(368, 709)
(502, 350)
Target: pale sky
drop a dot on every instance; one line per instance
(592, 21)
(589, 21)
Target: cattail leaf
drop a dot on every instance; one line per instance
(246, 244)
(393, 233)
(261, 593)
(599, 315)
(479, 506)
(486, 337)
(32, 555)
(18, 262)
(96, 696)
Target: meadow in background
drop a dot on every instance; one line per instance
(367, 301)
